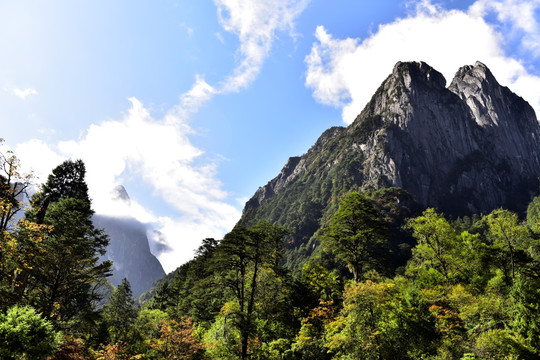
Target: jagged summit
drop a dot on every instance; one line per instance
(466, 148)
(129, 248)
(119, 193)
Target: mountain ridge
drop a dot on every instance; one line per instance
(129, 248)
(467, 148)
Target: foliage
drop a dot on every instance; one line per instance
(65, 182)
(533, 214)
(510, 239)
(120, 312)
(222, 340)
(19, 241)
(73, 349)
(425, 287)
(25, 334)
(309, 343)
(502, 344)
(242, 256)
(65, 286)
(376, 322)
(64, 279)
(177, 340)
(115, 351)
(356, 235)
(436, 247)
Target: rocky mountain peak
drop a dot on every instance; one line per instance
(412, 88)
(129, 247)
(418, 73)
(120, 193)
(509, 121)
(477, 86)
(468, 148)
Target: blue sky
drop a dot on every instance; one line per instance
(192, 105)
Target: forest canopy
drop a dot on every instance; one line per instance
(381, 283)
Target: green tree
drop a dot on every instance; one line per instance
(145, 327)
(120, 313)
(510, 239)
(19, 241)
(25, 334)
(533, 214)
(525, 295)
(309, 343)
(64, 281)
(66, 181)
(378, 322)
(356, 235)
(192, 290)
(241, 256)
(437, 244)
(502, 344)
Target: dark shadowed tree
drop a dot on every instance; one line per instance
(356, 235)
(121, 311)
(66, 181)
(64, 281)
(241, 256)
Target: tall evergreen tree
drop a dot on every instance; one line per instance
(121, 311)
(66, 181)
(63, 283)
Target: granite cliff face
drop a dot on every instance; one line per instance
(129, 249)
(466, 148)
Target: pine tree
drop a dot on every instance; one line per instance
(120, 312)
(64, 282)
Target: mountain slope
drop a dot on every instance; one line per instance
(129, 249)
(468, 148)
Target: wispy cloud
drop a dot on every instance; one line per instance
(346, 72)
(255, 23)
(220, 38)
(159, 152)
(520, 16)
(23, 94)
(192, 100)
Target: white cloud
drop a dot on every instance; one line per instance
(38, 157)
(220, 38)
(160, 153)
(255, 22)
(23, 94)
(519, 15)
(192, 100)
(345, 73)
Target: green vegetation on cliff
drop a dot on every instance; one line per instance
(388, 281)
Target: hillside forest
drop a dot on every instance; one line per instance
(382, 281)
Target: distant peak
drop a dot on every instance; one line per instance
(119, 193)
